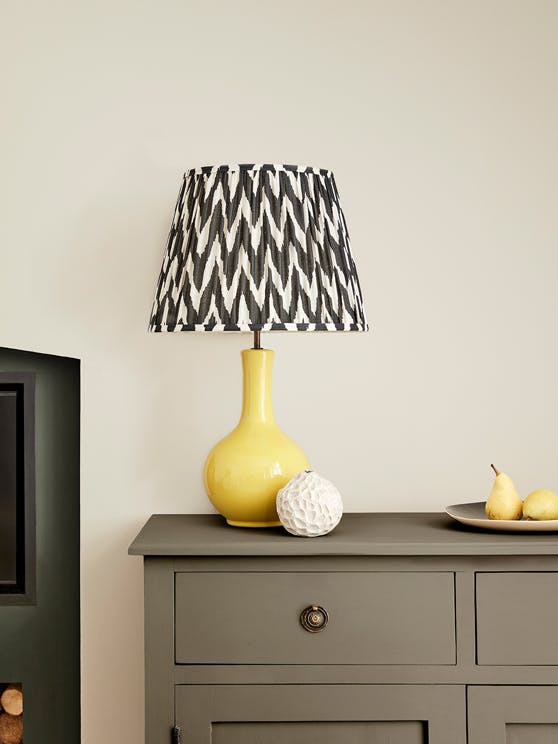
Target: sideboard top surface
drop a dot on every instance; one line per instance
(380, 533)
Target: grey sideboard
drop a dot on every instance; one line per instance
(394, 629)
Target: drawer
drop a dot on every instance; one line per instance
(517, 617)
(374, 618)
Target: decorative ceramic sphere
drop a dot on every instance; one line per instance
(309, 505)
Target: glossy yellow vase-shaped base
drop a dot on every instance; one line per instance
(244, 471)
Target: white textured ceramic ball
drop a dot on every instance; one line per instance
(309, 505)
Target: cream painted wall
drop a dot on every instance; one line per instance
(440, 121)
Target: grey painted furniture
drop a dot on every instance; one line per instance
(40, 632)
(434, 633)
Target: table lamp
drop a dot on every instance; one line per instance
(257, 248)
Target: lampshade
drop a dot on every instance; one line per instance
(258, 248)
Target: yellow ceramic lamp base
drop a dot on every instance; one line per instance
(244, 471)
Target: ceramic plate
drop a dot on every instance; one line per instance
(475, 516)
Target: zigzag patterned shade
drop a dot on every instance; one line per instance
(258, 248)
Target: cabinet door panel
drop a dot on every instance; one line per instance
(531, 733)
(513, 715)
(321, 714)
(333, 732)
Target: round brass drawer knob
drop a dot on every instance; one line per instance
(314, 618)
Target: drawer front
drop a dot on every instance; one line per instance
(374, 618)
(517, 617)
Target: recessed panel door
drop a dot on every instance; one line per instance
(513, 715)
(321, 714)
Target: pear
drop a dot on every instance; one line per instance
(504, 502)
(541, 504)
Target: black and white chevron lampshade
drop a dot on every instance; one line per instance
(258, 248)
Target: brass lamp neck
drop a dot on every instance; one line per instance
(257, 340)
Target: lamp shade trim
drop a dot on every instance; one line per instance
(207, 170)
(258, 247)
(219, 328)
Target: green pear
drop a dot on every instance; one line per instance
(541, 504)
(504, 502)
